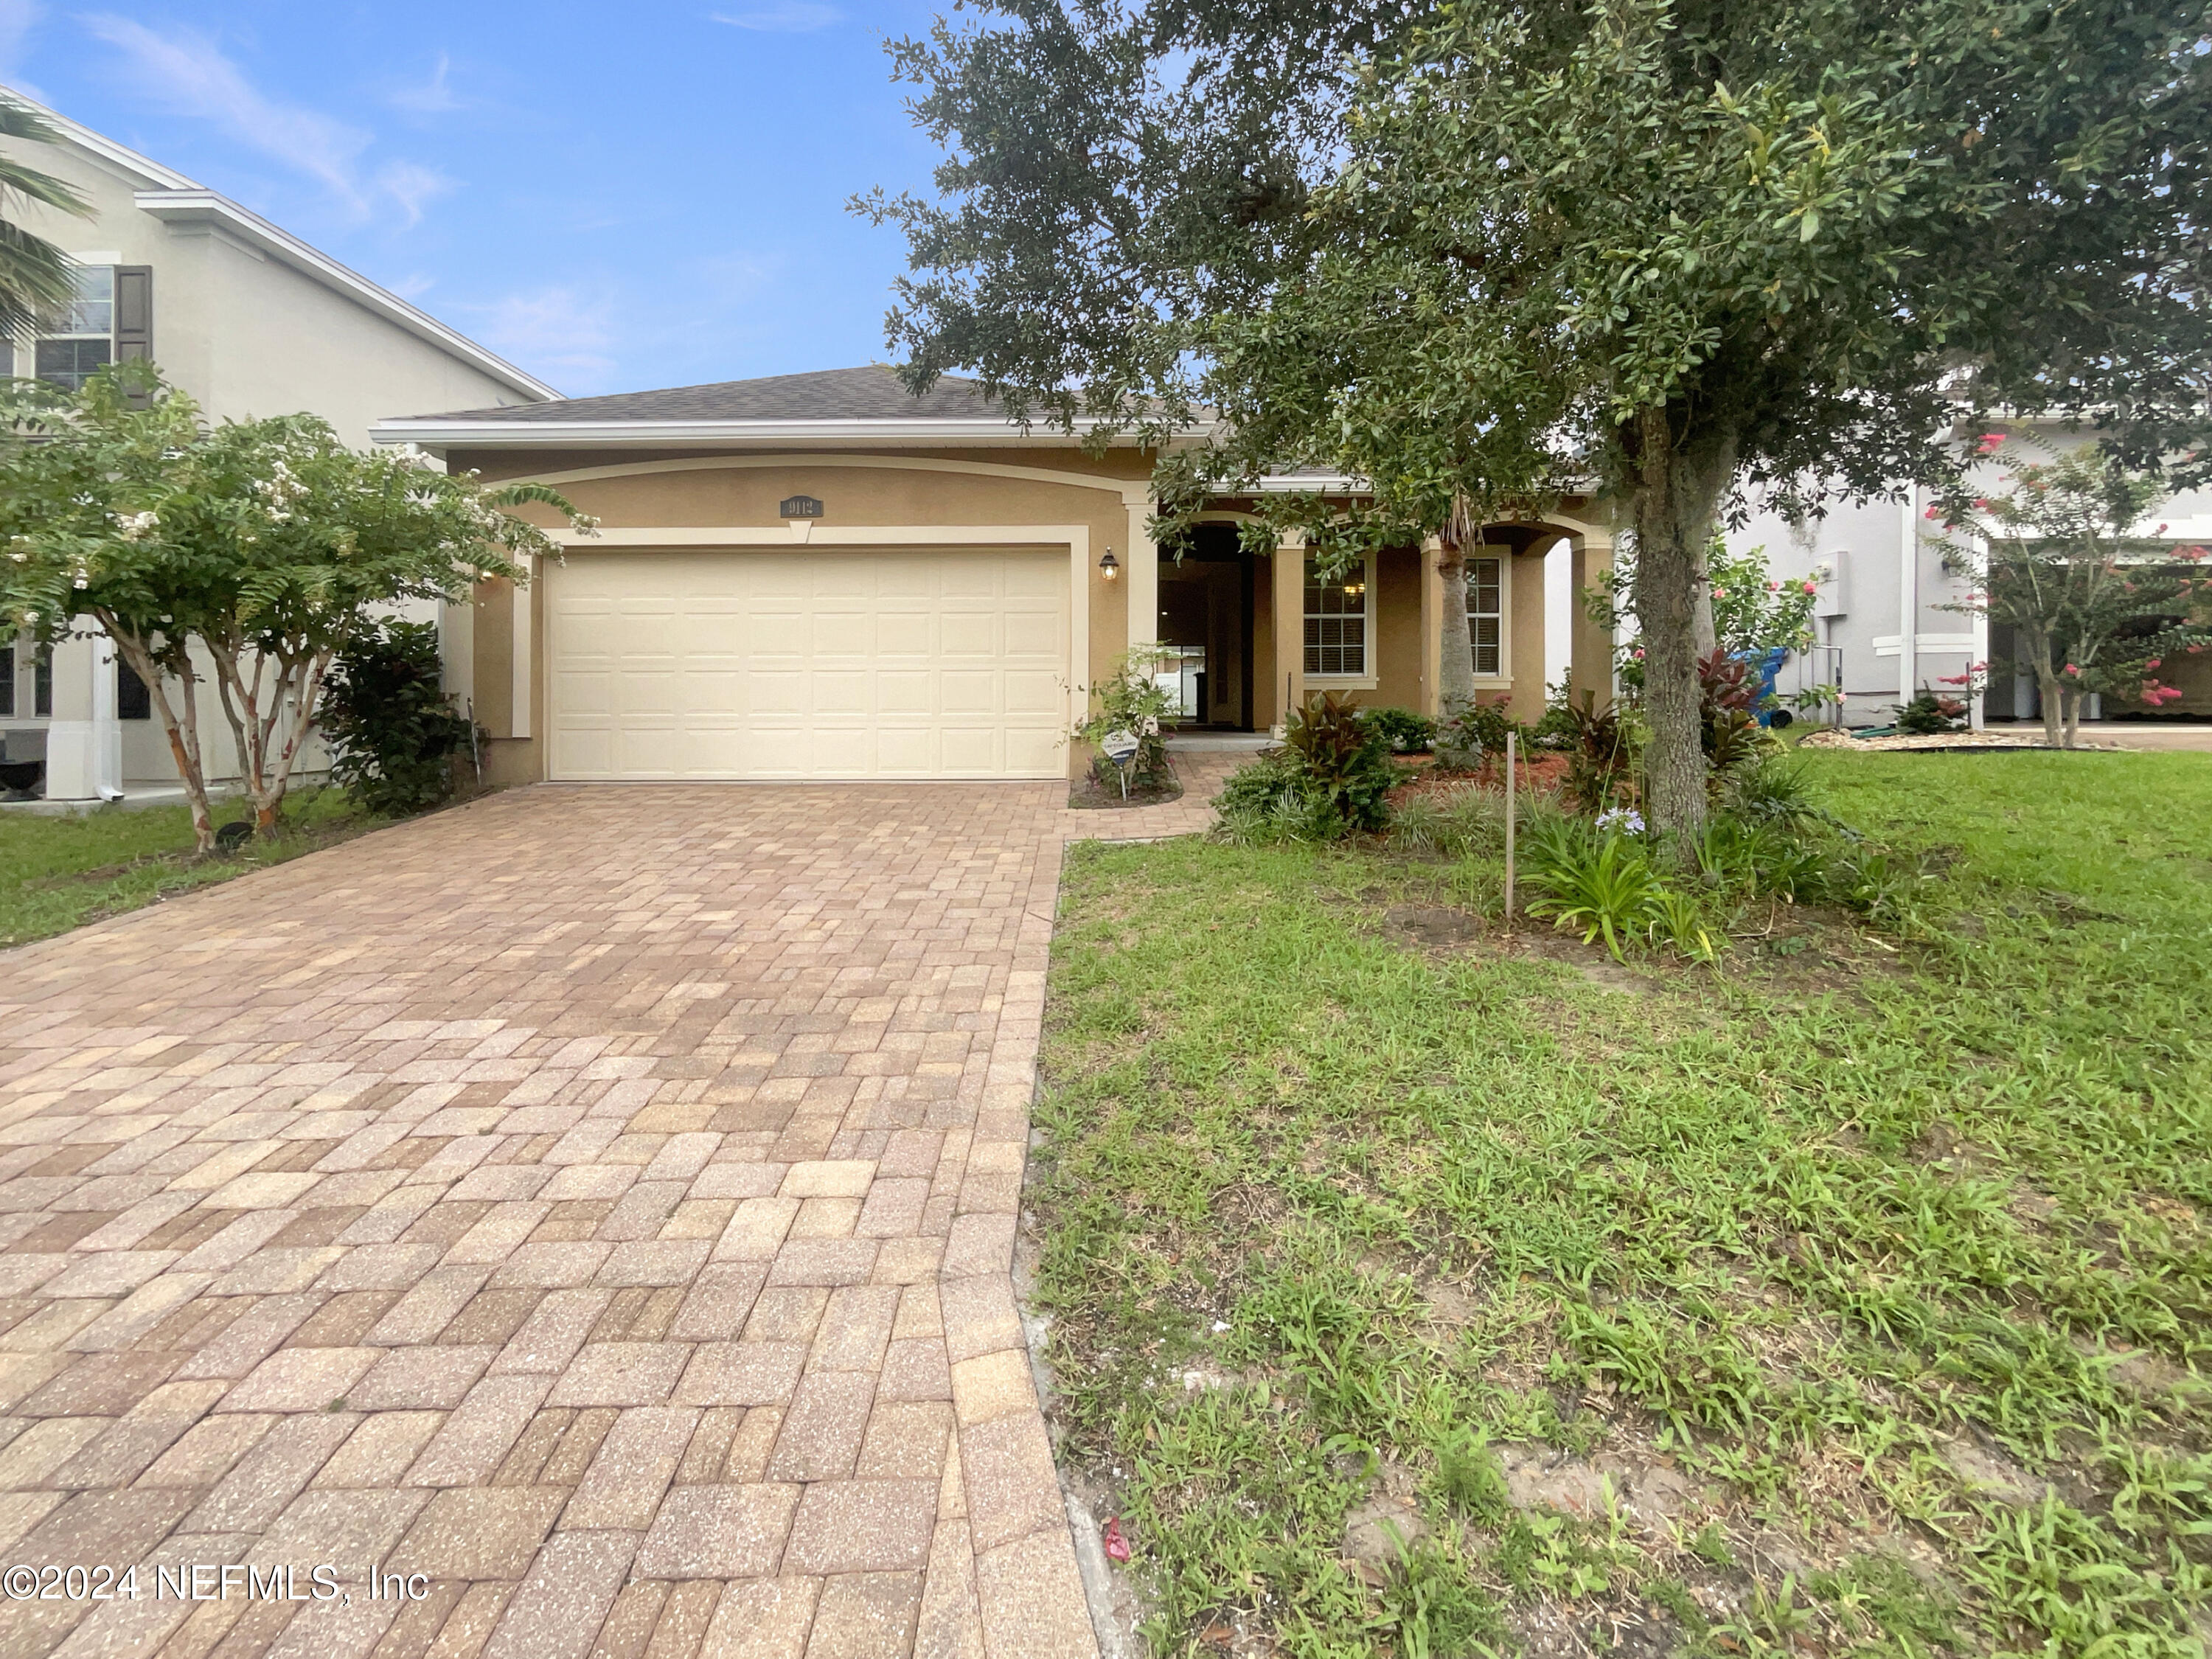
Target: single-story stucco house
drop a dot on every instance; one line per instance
(822, 576)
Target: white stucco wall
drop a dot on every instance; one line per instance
(1863, 543)
(247, 335)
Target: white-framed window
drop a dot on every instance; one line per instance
(1339, 622)
(80, 338)
(1486, 583)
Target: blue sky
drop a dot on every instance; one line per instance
(613, 197)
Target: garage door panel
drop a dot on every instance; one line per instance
(820, 664)
(904, 634)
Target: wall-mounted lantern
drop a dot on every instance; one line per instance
(1109, 567)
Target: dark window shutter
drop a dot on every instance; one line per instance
(134, 312)
(133, 702)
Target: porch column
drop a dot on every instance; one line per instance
(84, 740)
(1589, 656)
(1432, 628)
(1290, 568)
(1143, 572)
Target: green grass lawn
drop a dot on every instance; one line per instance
(1416, 1294)
(57, 873)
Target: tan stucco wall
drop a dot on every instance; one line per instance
(1527, 643)
(745, 492)
(1397, 630)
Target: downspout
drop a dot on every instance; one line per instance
(1908, 594)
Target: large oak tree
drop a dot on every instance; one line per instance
(1489, 253)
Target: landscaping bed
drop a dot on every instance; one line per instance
(1418, 1285)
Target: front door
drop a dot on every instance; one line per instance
(1206, 627)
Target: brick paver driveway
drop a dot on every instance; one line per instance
(599, 1201)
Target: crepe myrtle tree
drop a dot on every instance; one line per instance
(1484, 255)
(246, 555)
(2065, 556)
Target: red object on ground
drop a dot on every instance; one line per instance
(1117, 1547)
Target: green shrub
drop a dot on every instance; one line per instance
(1331, 776)
(1479, 729)
(1930, 713)
(1129, 699)
(1273, 800)
(1406, 732)
(392, 730)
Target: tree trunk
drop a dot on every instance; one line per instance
(1676, 494)
(182, 730)
(2047, 687)
(1455, 660)
(2073, 695)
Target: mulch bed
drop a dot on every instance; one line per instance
(1542, 770)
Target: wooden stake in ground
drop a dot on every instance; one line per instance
(1510, 749)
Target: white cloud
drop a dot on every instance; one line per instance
(432, 97)
(783, 17)
(412, 187)
(17, 19)
(186, 73)
(551, 329)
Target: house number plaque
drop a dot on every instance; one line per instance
(800, 506)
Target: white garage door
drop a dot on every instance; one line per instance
(823, 664)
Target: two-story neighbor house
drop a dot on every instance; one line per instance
(819, 576)
(250, 321)
(1891, 617)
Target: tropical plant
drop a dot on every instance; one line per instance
(1601, 760)
(1485, 255)
(1600, 884)
(1728, 691)
(2097, 606)
(1131, 699)
(249, 554)
(36, 278)
(391, 726)
(1345, 759)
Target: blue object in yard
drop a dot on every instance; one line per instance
(1768, 663)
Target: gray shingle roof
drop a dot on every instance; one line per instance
(872, 393)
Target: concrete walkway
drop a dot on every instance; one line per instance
(598, 1202)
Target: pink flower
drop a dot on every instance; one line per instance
(1638, 654)
(1720, 592)
(1774, 587)
(1812, 588)
(2153, 663)
(1930, 513)
(1954, 679)
(2192, 553)
(2160, 530)
(1981, 504)
(2070, 669)
(1991, 442)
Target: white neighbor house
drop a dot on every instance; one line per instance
(250, 321)
(1883, 620)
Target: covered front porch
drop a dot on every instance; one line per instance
(1250, 636)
